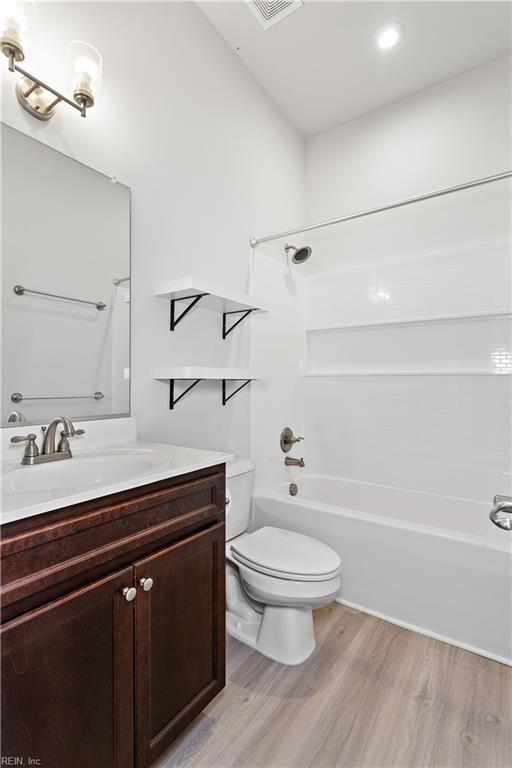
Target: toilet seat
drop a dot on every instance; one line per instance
(286, 555)
(269, 590)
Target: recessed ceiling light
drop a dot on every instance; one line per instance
(389, 35)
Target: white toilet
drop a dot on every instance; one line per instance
(274, 577)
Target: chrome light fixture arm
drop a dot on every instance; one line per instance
(31, 86)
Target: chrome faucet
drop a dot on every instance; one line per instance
(49, 452)
(501, 513)
(290, 462)
(48, 446)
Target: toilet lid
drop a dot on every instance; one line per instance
(286, 555)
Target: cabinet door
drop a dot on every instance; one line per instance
(67, 680)
(179, 638)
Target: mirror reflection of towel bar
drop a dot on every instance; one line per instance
(17, 397)
(19, 290)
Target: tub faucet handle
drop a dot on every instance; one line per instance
(288, 440)
(501, 513)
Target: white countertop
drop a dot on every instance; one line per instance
(95, 472)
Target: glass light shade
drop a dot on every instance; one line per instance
(14, 20)
(86, 66)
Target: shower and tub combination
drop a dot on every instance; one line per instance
(433, 555)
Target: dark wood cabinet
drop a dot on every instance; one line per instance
(67, 693)
(91, 679)
(180, 638)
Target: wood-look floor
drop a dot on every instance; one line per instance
(372, 694)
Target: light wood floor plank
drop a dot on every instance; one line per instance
(372, 696)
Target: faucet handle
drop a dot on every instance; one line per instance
(501, 513)
(63, 445)
(23, 438)
(288, 439)
(74, 433)
(31, 450)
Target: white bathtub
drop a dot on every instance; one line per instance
(434, 564)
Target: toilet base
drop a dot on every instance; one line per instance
(281, 633)
(286, 634)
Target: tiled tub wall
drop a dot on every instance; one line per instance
(408, 379)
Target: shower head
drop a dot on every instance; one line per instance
(298, 255)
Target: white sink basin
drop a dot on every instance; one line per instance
(28, 490)
(79, 472)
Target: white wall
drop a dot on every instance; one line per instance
(454, 131)
(211, 162)
(277, 352)
(443, 424)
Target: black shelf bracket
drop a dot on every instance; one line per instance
(225, 330)
(193, 301)
(228, 397)
(173, 400)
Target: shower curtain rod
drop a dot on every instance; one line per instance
(439, 193)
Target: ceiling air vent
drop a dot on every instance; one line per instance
(270, 12)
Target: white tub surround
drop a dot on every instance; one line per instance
(434, 564)
(94, 471)
(475, 344)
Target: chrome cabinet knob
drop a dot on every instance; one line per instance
(129, 594)
(146, 584)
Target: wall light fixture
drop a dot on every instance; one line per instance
(34, 95)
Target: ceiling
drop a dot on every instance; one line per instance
(320, 64)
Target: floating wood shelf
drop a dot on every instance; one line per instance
(195, 374)
(210, 297)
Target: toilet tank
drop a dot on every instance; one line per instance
(239, 482)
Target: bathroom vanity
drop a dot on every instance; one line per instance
(113, 610)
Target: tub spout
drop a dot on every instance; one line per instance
(294, 462)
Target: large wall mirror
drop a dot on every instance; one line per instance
(65, 286)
